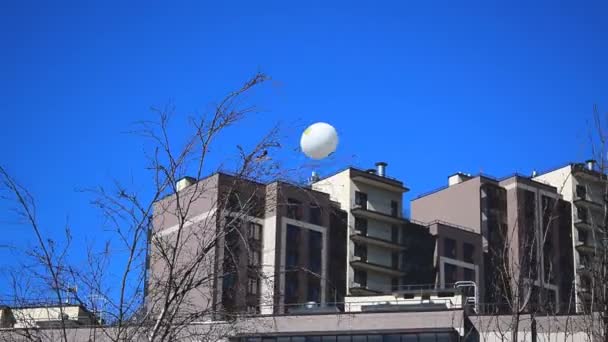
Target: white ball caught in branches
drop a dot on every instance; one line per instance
(319, 140)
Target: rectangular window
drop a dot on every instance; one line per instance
(469, 274)
(395, 259)
(468, 251)
(315, 246)
(361, 225)
(293, 246)
(294, 209)
(449, 248)
(254, 258)
(359, 338)
(328, 338)
(361, 278)
(314, 214)
(581, 213)
(361, 199)
(314, 289)
(361, 251)
(582, 236)
(253, 285)
(255, 231)
(581, 191)
(395, 233)
(394, 208)
(395, 284)
(449, 274)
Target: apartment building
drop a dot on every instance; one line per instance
(583, 187)
(269, 244)
(521, 222)
(384, 250)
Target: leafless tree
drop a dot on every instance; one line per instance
(168, 301)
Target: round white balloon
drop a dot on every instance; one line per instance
(319, 140)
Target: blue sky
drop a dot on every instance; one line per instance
(430, 87)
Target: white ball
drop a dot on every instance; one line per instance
(319, 140)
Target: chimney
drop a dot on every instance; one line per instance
(590, 164)
(381, 168)
(314, 177)
(184, 182)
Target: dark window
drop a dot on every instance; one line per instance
(359, 338)
(581, 213)
(291, 287)
(361, 278)
(254, 257)
(374, 338)
(449, 272)
(344, 338)
(395, 284)
(294, 209)
(582, 236)
(426, 337)
(314, 214)
(395, 234)
(314, 289)
(234, 202)
(255, 231)
(469, 274)
(395, 259)
(394, 208)
(328, 338)
(283, 339)
(253, 285)
(468, 251)
(361, 199)
(361, 225)
(298, 339)
(449, 247)
(391, 338)
(361, 251)
(315, 245)
(293, 246)
(581, 191)
(409, 338)
(313, 338)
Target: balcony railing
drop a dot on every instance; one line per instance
(369, 266)
(369, 240)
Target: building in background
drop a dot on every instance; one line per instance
(385, 251)
(521, 222)
(583, 187)
(270, 243)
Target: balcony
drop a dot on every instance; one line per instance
(583, 224)
(357, 289)
(586, 202)
(376, 215)
(583, 269)
(374, 241)
(376, 181)
(362, 264)
(583, 247)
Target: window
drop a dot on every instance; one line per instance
(361, 199)
(315, 245)
(361, 278)
(254, 258)
(468, 251)
(234, 202)
(361, 251)
(395, 233)
(328, 338)
(395, 284)
(581, 191)
(582, 214)
(582, 236)
(394, 208)
(294, 209)
(395, 259)
(391, 338)
(314, 214)
(255, 231)
(314, 289)
(291, 287)
(449, 248)
(449, 274)
(253, 285)
(361, 225)
(469, 274)
(359, 338)
(292, 246)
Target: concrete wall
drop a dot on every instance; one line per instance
(458, 204)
